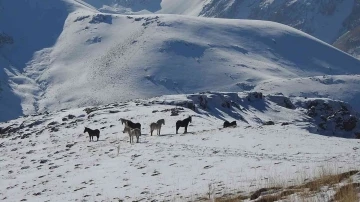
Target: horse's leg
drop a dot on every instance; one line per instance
(177, 128)
(90, 137)
(185, 129)
(151, 130)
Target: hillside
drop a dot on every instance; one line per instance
(327, 20)
(66, 54)
(27, 30)
(48, 157)
(70, 64)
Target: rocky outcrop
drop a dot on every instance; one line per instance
(334, 117)
(281, 100)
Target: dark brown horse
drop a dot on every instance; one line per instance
(92, 133)
(183, 123)
(130, 123)
(228, 124)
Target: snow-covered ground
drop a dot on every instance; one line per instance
(47, 157)
(76, 56)
(58, 58)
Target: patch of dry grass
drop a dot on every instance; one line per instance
(324, 178)
(347, 193)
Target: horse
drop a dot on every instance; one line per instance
(92, 133)
(156, 126)
(228, 124)
(183, 123)
(123, 121)
(132, 132)
(130, 123)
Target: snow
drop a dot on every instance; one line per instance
(341, 87)
(57, 160)
(62, 59)
(324, 20)
(76, 56)
(133, 61)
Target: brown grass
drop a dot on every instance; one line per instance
(347, 193)
(327, 180)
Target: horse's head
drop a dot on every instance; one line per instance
(190, 119)
(122, 121)
(126, 129)
(86, 129)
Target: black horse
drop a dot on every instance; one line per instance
(183, 123)
(228, 124)
(92, 133)
(131, 124)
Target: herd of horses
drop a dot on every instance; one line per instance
(134, 129)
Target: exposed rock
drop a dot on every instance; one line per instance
(267, 123)
(252, 96)
(350, 124)
(101, 18)
(43, 161)
(53, 123)
(281, 100)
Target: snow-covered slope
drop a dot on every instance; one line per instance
(47, 156)
(325, 20)
(89, 58)
(102, 58)
(27, 29)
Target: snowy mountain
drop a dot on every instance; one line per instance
(75, 56)
(326, 19)
(48, 157)
(70, 64)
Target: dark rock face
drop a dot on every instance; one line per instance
(281, 100)
(252, 96)
(350, 124)
(335, 116)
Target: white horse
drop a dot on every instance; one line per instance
(156, 126)
(132, 132)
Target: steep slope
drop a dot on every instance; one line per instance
(89, 58)
(103, 58)
(326, 20)
(28, 29)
